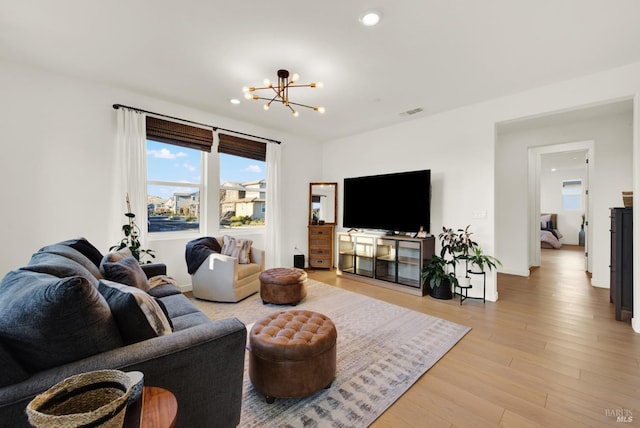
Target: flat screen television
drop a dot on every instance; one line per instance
(397, 202)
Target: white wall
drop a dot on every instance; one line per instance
(58, 135)
(612, 172)
(459, 147)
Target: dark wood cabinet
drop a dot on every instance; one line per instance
(621, 268)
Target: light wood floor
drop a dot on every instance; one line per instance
(549, 353)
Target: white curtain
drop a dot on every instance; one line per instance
(132, 166)
(273, 218)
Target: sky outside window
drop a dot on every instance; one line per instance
(167, 162)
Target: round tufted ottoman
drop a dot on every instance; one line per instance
(283, 286)
(292, 354)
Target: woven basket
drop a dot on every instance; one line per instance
(93, 399)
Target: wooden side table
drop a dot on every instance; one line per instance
(158, 408)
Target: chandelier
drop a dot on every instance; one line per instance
(281, 92)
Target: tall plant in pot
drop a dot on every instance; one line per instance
(458, 247)
(131, 238)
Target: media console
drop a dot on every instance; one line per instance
(389, 261)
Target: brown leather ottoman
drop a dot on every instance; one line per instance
(292, 354)
(283, 286)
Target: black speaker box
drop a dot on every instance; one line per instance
(298, 261)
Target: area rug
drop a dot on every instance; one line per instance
(382, 350)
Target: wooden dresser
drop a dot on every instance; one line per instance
(321, 246)
(621, 268)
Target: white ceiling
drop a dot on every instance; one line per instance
(431, 54)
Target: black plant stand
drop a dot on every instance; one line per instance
(464, 290)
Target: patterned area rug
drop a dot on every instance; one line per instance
(382, 350)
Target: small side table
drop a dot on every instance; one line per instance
(464, 290)
(158, 408)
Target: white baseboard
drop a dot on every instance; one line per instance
(516, 272)
(600, 282)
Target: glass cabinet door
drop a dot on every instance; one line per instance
(345, 254)
(409, 255)
(386, 260)
(364, 256)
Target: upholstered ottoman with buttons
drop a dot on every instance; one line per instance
(292, 354)
(283, 286)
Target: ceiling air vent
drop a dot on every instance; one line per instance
(411, 112)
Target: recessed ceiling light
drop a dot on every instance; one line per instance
(234, 101)
(370, 18)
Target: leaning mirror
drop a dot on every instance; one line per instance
(323, 198)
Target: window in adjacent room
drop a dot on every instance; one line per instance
(572, 195)
(175, 186)
(243, 182)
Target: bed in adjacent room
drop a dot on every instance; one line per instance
(549, 234)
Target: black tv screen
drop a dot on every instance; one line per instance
(398, 202)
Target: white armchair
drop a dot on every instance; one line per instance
(222, 278)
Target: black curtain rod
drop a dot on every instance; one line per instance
(215, 128)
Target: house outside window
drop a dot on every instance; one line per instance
(572, 195)
(243, 192)
(174, 186)
(243, 182)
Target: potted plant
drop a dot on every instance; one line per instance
(439, 278)
(482, 261)
(131, 238)
(458, 247)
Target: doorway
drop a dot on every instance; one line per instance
(565, 157)
(564, 194)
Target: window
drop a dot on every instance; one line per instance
(572, 195)
(174, 182)
(243, 183)
(175, 159)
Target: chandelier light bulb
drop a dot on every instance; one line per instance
(295, 77)
(266, 106)
(295, 113)
(266, 82)
(248, 96)
(245, 89)
(319, 109)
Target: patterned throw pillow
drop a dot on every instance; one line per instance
(125, 270)
(238, 248)
(138, 315)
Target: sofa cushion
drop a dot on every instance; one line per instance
(178, 305)
(59, 266)
(138, 315)
(238, 248)
(125, 270)
(69, 252)
(48, 321)
(10, 371)
(163, 290)
(86, 248)
(247, 270)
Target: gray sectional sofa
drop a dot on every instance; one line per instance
(60, 316)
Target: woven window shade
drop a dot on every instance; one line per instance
(237, 146)
(179, 134)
